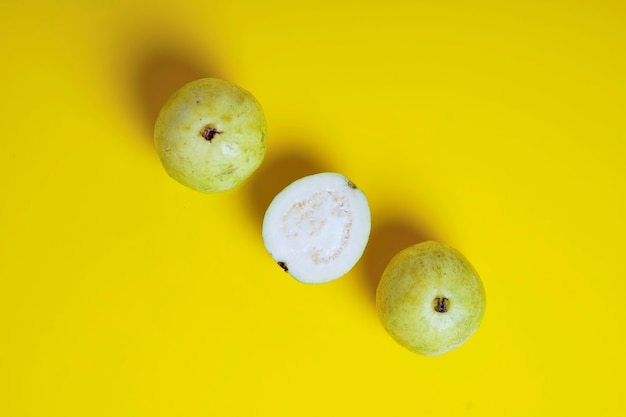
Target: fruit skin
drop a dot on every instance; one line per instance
(417, 281)
(211, 135)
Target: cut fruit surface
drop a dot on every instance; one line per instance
(316, 229)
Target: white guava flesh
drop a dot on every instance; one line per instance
(211, 135)
(317, 228)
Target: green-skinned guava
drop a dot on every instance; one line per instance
(211, 135)
(430, 299)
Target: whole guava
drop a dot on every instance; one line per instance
(211, 135)
(430, 299)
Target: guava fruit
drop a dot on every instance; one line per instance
(317, 228)
(211, 135)
(430, 299)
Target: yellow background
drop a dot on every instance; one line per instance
(496, 127)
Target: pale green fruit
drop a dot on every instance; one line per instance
(211, 135)
(430, 299)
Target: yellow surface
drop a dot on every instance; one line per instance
(496, 127)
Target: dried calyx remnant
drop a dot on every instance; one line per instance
(441, 304)
(209, 132)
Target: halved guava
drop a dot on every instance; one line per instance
(317, 228)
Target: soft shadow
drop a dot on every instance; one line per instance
(161, 71)
(389, 235)
(277, 171)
